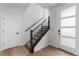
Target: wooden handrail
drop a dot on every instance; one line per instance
(34, 24)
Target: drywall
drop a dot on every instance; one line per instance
(53, 33)
(53, 27)
(32, 14)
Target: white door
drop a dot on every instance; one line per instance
(68, 28)
(11, 30)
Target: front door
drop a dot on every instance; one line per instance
(68, 28)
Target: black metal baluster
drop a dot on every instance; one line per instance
(48, 22)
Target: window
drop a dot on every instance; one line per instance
(68, 12)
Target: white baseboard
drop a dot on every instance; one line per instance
(21, 44)
(53, 44)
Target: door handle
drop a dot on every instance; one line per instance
(17, 33)
(59, 30)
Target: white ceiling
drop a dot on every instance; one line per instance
(47, 5)
(20, 5)
(25, 5)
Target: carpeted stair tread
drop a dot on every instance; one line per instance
(44, 27)
(37, 34)
(35, 38)
(28, 44)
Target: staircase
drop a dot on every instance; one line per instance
(37, 33)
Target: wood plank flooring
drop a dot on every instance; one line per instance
(22, 51)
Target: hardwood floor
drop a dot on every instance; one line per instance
(17, 51)
(22, 51)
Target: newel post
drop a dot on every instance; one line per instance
(49, 22)
(31, 42)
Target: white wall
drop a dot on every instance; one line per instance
(53, 33)
(32, 14)
(46, 13)
(53, 27)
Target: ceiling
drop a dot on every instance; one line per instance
(47, 5)
(21, 5)
(25, 5)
